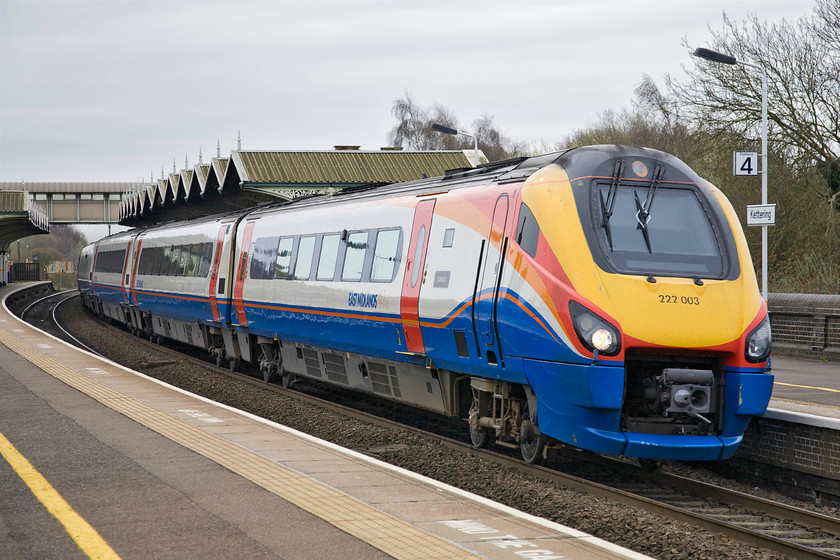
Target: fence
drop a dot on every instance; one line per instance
(26, 272)
(805, 325)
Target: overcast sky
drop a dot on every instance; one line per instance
(114, 90)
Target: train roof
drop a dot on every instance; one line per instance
(586, 159)
(497, 172)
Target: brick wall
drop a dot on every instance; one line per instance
(805, 325)
(799, 447)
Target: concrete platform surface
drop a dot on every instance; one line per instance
(150, 471)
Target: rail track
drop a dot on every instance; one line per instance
(778, 527)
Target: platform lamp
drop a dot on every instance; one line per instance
(453, 132)
(731, 60)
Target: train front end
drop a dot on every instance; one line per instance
(648, 271)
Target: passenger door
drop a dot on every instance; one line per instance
(133, 279)
(214, 273)
(414, 272)
(241, 272)
(127, 276)
(487, 292)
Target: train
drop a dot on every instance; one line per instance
(601, 297)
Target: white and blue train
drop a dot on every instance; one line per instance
(601, 297)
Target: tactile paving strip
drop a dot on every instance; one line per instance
(385, 532)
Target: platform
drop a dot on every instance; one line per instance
(806, 391)
(135, 468)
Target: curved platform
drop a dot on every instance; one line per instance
(104, 461)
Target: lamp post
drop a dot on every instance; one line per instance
(453, 132)
(731, 60)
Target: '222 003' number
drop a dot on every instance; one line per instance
(685, 300)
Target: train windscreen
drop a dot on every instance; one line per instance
(662, 231)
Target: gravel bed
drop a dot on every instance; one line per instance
(638, 530)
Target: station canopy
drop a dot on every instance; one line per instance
(249, 178)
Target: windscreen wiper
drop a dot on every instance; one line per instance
(643, 208)
(608, 205)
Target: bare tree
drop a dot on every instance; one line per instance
(802, 61)
(413, 131)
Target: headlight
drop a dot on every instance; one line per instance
(758, 343)
(594, 332)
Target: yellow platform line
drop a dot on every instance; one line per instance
(808, 387)
(86, 537)
(392, 536)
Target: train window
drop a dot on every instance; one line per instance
(327, 258)
(206, 259)
(303, 263)
(165, 259)
(149, 253)
(284, 257)
(527, 231)
(174, 260)
(147, 258)
(150, 262)
(158, 260)
(385, 255)
(264, 257)
(448, 237)
(354, 256)
(195, 254)
(678, 238)
(110, 262)
(144, 262)
(101, 257)
(184, 260)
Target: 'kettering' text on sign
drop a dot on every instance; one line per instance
(761, 215)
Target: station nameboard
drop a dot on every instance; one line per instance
(761, 215)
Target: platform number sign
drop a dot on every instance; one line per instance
(745, 163)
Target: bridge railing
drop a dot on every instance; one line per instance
(805, 325)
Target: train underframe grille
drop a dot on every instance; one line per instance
(335, 368)
(673, 394)
(312, 363)
(383, 380)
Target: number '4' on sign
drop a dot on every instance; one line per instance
(745, 163)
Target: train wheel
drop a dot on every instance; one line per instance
(479, 438)
(531, 442)
(233, 364)
(532, 449)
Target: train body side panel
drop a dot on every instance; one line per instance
(353, 316)
(179, 296)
